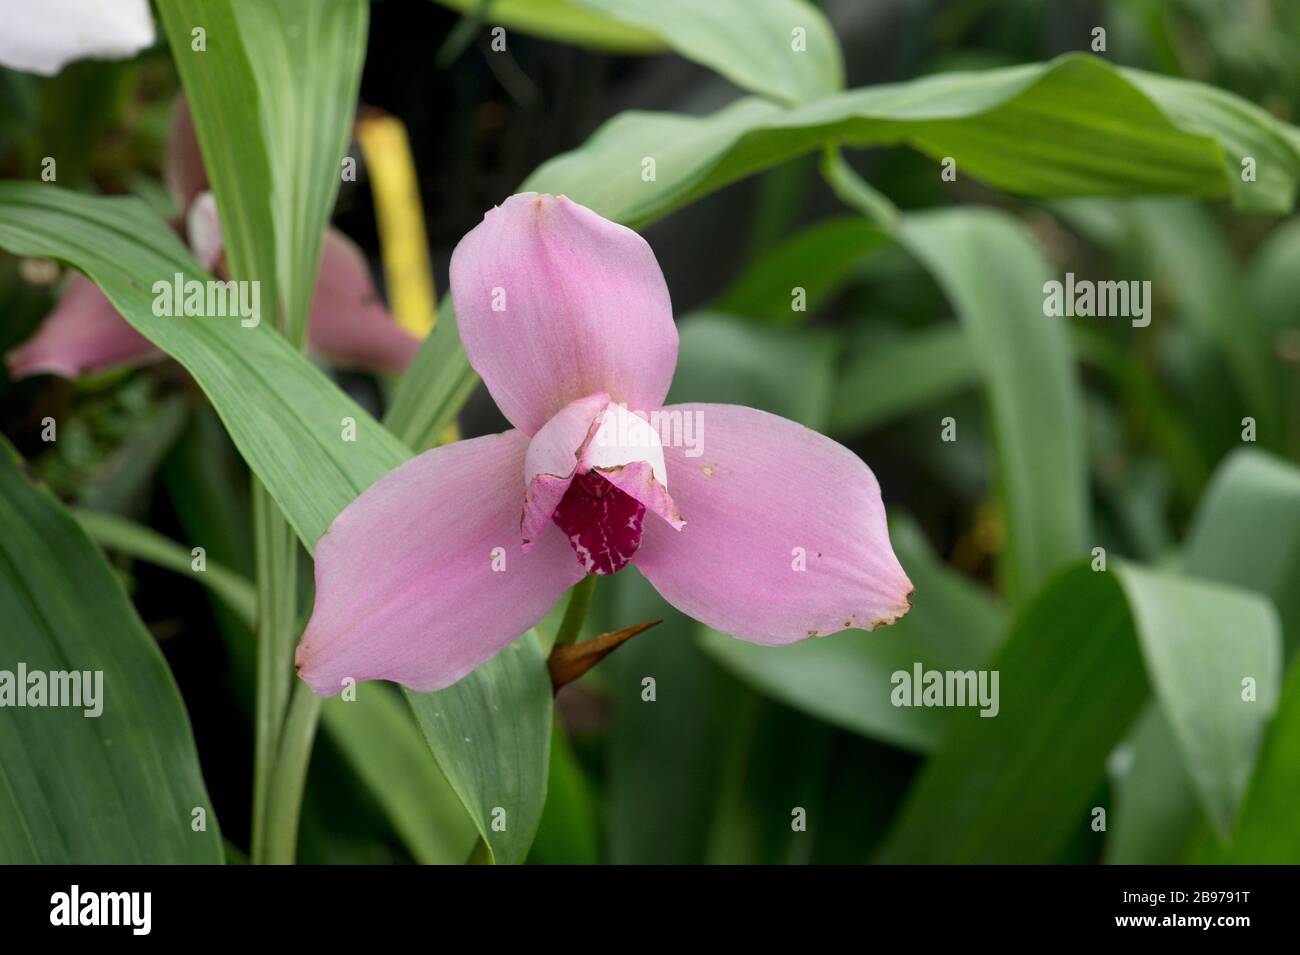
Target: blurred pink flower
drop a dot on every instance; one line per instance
(348, 325)
(761, 528)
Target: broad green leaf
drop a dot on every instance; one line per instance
(222, 91)
(375, 732)
(566, 21)
(993, 273)
(1201, 691)
(884, 380)
(285, 417)
(283, 414)
(1073, 675)
(306, 56)
(120, 786)
(567, 834)
(1244, 130)
(1268, 831)
(722, 359)
(273, 96)
(1155, 812)
(380, 740)
(818, 260)
(1246, 532)
(845, 678)
(498, 770)
(784, 49)
(1106, 135)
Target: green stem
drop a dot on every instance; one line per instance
(855, 192)
(284, 798)
(575, 615)
(277, 553)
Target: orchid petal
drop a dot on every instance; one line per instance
(83, 334)
(422, 578)
(552, 461)
(183, 170)
(627, 452)
(787, 535)
(591, 434)
(349, 326)
(204, 231)
(42, 37)
(555, 303)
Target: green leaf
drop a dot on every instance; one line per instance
(993, 272)
(285, 417)
(497, 765)
(222, 91)
(1073, 674)
(1200, 689)
(290, 71)
(567, 834)
(381, 741)
(118, 787)
(1246, 532)
(725, 360)
(306, 56)
(818, 259)
(127, 537)
(1242, 128)
(375, 732)
(1268, 832)
(753, 43)
(885, 380)
(1106, 135)
(845, 678)
(1098, 131)
(283, 414)
(567, 22)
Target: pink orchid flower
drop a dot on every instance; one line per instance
(348, 325)
(760, 528)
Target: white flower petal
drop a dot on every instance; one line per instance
(42, 36)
